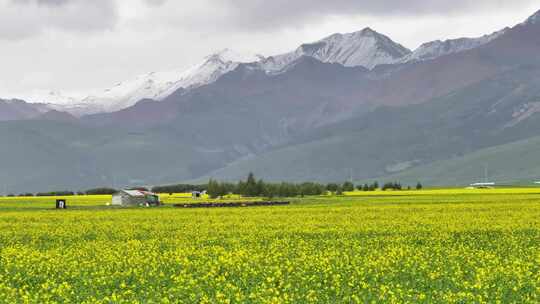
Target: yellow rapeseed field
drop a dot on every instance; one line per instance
(446, 246)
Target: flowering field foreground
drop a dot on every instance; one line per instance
(439, 248)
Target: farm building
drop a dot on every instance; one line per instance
(484, 185)
(198, 194)
(135, 198)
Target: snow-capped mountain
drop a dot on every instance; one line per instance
(159, 85)
(365, 48)
(155, 85)
(434, 49)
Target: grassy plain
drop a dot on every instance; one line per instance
(434, 246)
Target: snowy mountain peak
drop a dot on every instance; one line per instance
(368, 32)
(375, 46)
(160, 85)
(228, 55)
(365, 48)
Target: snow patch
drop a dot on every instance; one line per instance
(398, 167)
(523, 113)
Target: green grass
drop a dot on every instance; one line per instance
(513, 163)
(441, 246)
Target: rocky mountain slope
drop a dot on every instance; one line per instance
(14, 109)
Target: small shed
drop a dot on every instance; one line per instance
(198, 194)
(135, 198)
(484, 185)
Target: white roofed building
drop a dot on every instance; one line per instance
(135, 198)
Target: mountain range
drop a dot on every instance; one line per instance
(349, 105)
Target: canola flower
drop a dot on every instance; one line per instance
(481, 248)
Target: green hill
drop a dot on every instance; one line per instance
(514, 163)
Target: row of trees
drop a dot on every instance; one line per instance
(259, 188)
(180, 188)
(55, 193)
(97, 191)
(252, 187)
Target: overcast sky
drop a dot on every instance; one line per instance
(79, 45)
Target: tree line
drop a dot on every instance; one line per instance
(96, 191)
(250, 187)
(180, 188)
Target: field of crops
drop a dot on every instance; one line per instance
(420, 247)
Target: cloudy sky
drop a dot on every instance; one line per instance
(79, 45)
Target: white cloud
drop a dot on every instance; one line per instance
(22, 19)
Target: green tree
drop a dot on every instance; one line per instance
(259, 189)
(332, 187)
(213, 190)
(270, 191)
(241, 189)
(101, 191)
(251, 185)
(348, 186)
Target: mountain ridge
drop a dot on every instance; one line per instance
(366, 48)
(438, 48)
